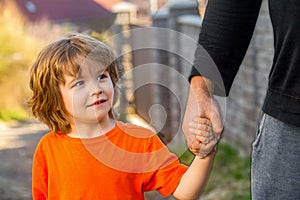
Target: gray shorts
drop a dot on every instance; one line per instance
(275, 170)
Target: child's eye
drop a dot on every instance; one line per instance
(78, 83)
(102, 76)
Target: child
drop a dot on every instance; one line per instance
(89, 154)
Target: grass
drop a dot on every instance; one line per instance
(230, 175)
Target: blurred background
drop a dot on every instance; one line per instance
(154, 41)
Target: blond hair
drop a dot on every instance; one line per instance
(57, 59)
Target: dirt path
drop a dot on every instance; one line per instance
(17, 144)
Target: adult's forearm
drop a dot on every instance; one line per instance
(202, 83)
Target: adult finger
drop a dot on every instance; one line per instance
(205, 139)
(204, 133)
(206, 149)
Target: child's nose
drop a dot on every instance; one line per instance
(97, 89)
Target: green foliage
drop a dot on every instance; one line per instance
(186, 158)
(230, 175)
(19, 46)
(13, 114)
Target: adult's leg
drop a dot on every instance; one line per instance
(275, 170)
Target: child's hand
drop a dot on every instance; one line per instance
(204, 140)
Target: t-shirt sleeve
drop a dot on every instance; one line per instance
(224, 38)
(39, 175)
(164, 169)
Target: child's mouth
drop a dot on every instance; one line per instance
(100, 102)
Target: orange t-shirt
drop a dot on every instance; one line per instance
(122, 164)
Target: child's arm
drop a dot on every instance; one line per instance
(193, 181)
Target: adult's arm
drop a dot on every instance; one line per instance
(225, 35)
(201, 104)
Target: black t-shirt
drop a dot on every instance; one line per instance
(225, 35)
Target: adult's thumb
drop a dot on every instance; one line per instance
(217, 123)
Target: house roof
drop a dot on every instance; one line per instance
(65, 10)
(108, 4)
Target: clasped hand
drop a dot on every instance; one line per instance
(202, 123)
(202, 139)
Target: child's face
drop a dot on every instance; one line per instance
(89, 96)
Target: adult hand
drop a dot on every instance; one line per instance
(204, 140)
(201, 103)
